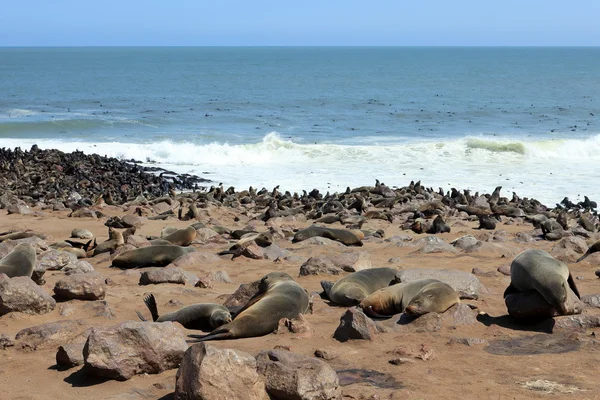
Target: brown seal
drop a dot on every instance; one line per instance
(156, 256)
(347, 237)
(19, 262)
(352, 289)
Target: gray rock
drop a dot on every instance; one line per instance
(209, 373)
(400, 240)
(157, 275)
(467, 285)
(81, 234)
(88, 286)
(575, 323)
(203, 234)
(120, 250)
(354, 324)
(460, 314)
(321, 241)
(50, 334)
(70, 355)
(53, 260)
(504, 270)
(79, 267)
(319, 266)
(592, 300)
(241, 296)
(21, 294)
(137, 241)
(194, 260)
(467, 341)
(274, 252)
(352, 261)
(569, 249)
(464, 242)
(531, 304)
(132, 348)
(219, 276)
(5, 341)
(294, 376)
(131, 220)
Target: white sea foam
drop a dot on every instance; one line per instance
(17, 113)
(547, 170)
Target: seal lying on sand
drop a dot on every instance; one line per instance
(279, 296)
(347, 237)
(157, 256)
(352, 289)
(180, 237)
(196, 316)
(115, 239)
(536, 270)
(415, 298)
(19, 262)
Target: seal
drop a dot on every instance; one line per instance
(157, 256)
(537, 270)
(196, 316)
(19, 262)
(347, 237)
(416, 298)
(181, 237)
(592, 249)
(279, 296)
(115, 239)
(353, 288)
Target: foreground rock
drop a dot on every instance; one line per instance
(295, 376)
(208, 373)
(131, 348)
(87, 286)
(21, 294)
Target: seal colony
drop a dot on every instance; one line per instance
(401, 229)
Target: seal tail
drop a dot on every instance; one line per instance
(217, 334)
(150, 302)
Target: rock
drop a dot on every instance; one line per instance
(467, 341)
(297, 325)
(531, 305)
(119, 250)
(132, 220)
(575, 323)
(319, 266)
(326, 354)
(437, 248)
(400, 240)
(401, 361)
(203, 234)
(321, 241)
(132, 348)
(219, 276)
(137, 241)
(204, 283)
(352, 262)
(194, 260)
(19, 209)
(467, 285)
(354, 324)
(460, 314)
(5, 341)
(464, 242)
(84, 213)
(54, 260)
(395, 260)
(241, 296)
(430, 322)
(50, 334)
(38, 244)
(504, 270)
(479, 272)
(157, 275)
(209, 373)
(522, 237)
(79, 267)
(87, 286)
(21, 294)
(569, 249)
(592, 300)
(274, 252)
(99, 308)
(295, 376)
(70, 355)
(81, 234)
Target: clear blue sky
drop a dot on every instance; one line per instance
(300, 22)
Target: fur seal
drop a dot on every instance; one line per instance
(19, 262)
(279, 296)
(180, 237)
(537, 270)
(115, 239)
(593, 249)
(157, 256)
(352, 289)
(347, 237)
(196, 316)
(416, 298)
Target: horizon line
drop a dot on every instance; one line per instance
(301, 46)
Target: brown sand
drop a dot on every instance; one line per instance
(456, 371)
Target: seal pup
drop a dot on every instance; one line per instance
(592, 249)
(279, 296)
(353, 288)
(19, 262)
(196, 316)
(148, 256)
(537, 270)
(416, 298)
(115, 239)
(347, 237)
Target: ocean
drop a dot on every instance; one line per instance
(526, 119)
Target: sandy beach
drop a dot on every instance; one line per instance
(486, 358)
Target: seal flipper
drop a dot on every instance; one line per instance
(139, 314)
(510, 289)
(327, 285)
(217, 334)
(152, 307)
(572, 285)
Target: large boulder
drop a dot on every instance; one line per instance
(131, 348)
(50, 334)
(295, 376)
(354, 324)
(88, 286)
(209, 373)
(157, 275)
(319, 266)
(21, 294)
(467, 285)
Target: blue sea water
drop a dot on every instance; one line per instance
(324, 117)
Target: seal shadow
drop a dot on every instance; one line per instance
(170, 396)
(372, 377)
(506, 321)
(535, 344)
(80, 379)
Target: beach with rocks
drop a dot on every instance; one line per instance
(71, 330)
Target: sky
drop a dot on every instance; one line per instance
(300, 23)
